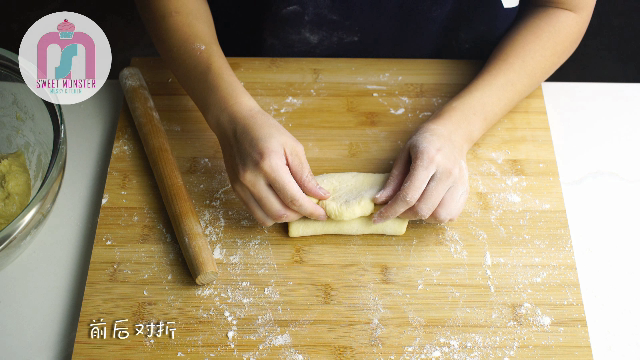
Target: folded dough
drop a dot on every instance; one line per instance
(349, 207)
(351, 193)
(358, 226)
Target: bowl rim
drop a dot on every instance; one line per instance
(9, 62)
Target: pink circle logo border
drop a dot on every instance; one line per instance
(66, 66)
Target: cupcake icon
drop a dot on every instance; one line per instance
(67, 39)
(66, 29)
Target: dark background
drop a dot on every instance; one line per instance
(609, 51)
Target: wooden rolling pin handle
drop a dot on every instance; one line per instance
(186, 224)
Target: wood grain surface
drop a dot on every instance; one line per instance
(500, 282)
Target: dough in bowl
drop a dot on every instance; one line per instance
(349, 207)
(15, 187)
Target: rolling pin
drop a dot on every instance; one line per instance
(186, 224)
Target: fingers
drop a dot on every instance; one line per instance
(430, 199)
(451, 205)
(290, 194)
(272, 194)
(410, 191)
(301, 172)
(252, 205)
(269, 171)
(396, 177)
(271, 204)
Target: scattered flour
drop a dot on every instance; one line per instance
(199, 48)
(218, 253)
(290, 104)
(529, 314)
(250, 304)
(487, 259)
(293, 101)
(280, 340)
(513, 197)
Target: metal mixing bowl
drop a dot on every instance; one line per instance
(36, 127)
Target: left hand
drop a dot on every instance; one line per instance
(429, 179)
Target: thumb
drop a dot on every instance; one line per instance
(396, 177)
(301, 172)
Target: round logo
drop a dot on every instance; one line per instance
(65, 58)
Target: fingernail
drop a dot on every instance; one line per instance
(377, 220)
(378, 194)
(323, 217)
(323, 191)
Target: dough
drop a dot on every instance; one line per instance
(349, 207)
(358, 226)
(15, 187)
(351, 193)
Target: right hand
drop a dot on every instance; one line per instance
(267, 167)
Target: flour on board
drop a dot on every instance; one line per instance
(247, 308)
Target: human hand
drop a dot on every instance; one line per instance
(429, 179)
(267, 167)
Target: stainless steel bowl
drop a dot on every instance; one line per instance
(36, 127)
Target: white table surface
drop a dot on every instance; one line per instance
(595, 129)
(596, 138)
(42, 289)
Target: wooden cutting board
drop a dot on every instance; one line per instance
(500, 282)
